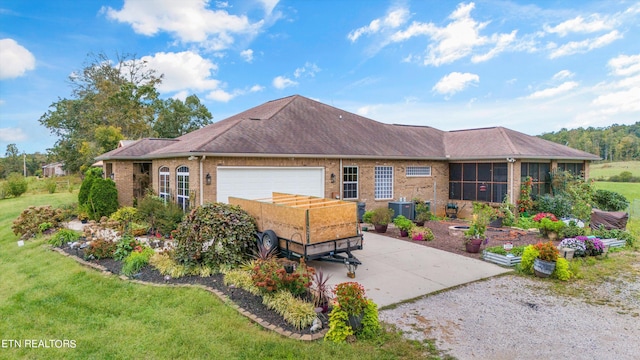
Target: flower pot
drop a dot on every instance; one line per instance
(473, 245)
(404, 233)
(419, 223)
(355, 321)
(543, 268)
(380, 228)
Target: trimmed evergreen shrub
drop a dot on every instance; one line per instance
(215, 234)
(103, 198)
(85, 188)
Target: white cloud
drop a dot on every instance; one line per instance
(583, 46)
(578, 25)
(185, 70)
(392, 20)
(15, 59)
(550, 92)
(455, 82)
(220, 95)
(247, 55)
(625, 64)
(281, 82)
(562, 74)
(256, 88)
(308, 70)
(502, 41)
(190, 21)
(12, 135)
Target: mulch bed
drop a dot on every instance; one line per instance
(455, 244)
(253, 304)
(240, 297)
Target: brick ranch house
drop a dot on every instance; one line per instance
(298, 145)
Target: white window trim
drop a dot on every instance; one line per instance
(418, 168)
(184, 197)
(376, 183)
(357, 182)
(161, 176)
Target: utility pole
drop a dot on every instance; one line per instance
(24, 164)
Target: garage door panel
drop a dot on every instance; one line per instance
(260, 182)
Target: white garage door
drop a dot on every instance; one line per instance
(259, 182)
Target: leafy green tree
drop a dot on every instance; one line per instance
(12, 161)
(176, 118)
(15, 185)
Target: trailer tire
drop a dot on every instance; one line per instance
(270, 240)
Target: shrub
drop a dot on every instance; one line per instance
(529, 254)
(215, 234)
(610, 200)
(370, 322)
(295, 311)
(100, 249)
(571, 230)
(136, 260)
(166, 265)
(15, 185)
(125, 214)
(402, 223)
(350, 297)
(619, 234)
(562, 271)
(558, 205)
(51, 185)
(103, 198)
(27, 225)
(162, 216)
(547, 251)
(125, 246)
(64, 236)
(85, 188)
(594, 246)
(241, 279)
(270, 276)
(378, 216)
(339, 329)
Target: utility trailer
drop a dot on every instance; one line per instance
(307, 227)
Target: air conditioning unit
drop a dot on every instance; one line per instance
(404, 208)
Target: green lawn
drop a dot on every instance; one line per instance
(46, 296)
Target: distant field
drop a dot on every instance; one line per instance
(606, 170)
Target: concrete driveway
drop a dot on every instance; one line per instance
(394, 270)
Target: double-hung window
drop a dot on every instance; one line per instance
(350, 182)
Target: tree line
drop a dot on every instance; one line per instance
(611, 143)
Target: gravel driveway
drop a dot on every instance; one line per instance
(511, 317)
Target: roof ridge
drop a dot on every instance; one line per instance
(503, 131)
(293, 97)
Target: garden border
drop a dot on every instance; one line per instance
(501, 259)
(268, 326)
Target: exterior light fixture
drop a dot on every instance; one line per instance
(333, 178)
(208, 179)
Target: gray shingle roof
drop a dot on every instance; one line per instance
(298, 126)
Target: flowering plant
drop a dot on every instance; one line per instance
(419, 233)
(350, 297)
(594, 246)
(540, 216)
(577, 244)
(547, 251)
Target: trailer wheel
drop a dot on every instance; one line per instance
(269, 240)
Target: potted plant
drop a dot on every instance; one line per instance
(403, 224)
(475, 236)
(380, 218)
(422, 212)
(549, 225)
(350, 299)
(83, 217)
(419, 233)
(545, 263)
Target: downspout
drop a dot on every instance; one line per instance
(511, 165)
(340, 181)
(202, 179)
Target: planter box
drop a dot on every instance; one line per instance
(501, 259)
(614, 242)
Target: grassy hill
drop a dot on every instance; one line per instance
(603, 171)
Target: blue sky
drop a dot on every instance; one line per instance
(532, 66)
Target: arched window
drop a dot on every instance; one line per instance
(182, 181)
(163, 187)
